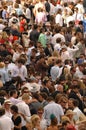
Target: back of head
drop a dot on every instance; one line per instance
(25, 96)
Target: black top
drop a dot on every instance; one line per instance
(16, 121)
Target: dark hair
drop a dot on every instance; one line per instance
(44, 95)
(12, 92)
(50, 98)
(75, 102)
(14, 108)
(2, 111)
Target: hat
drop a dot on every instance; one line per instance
(64, 47)
(68, 112)
(52, 116)
(27, 85)
(7, 101)
(35, 87)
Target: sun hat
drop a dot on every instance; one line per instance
(7, 101)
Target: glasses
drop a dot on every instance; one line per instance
(40, 112)
(26, 91)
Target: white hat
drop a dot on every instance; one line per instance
(35, 87)
(7, 101)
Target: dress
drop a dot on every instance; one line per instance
(16, 121)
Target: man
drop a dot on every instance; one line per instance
(24, 109)
(47, 85)
(52, 108)
(56, 70)
(5, 122)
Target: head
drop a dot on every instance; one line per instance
(35, 119)
(54, 121)
(25, 97)
(63, 101)
(42, 96)
(2, 111)
(40, 112)
(13, 93)
(7, 104)
(14, 109)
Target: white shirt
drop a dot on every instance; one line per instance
(78, 114)
(14, 101)
(57, 35)
(53, 108)
(59, 19)
(72, 51)
(22, 72)
(24, 109)
(70, 18)
(6, 123)
(65, 55)
(80, 8)
(28, 13)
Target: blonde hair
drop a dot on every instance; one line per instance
(34, 119)
(25, 96)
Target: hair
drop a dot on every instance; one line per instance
(54, 121)
(25, 96)
(34, 119)
(50, 98)
(2, 111)
(75, 102)
(14, 108)
(62, 99)
(44, 95)
(12, 92)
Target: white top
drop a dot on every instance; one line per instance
(57, 35)
(70, 18)
(6, 123)
(59, 19)
(53, 108)
(78, 114)
(24, 109)
(22, 72)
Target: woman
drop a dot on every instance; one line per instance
(34, 123)
(54, 122)
(16, 118)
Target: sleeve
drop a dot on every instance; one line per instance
(27, 111)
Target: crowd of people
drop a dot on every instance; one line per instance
(42, 65)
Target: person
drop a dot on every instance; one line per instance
(5, 122)
(58, 18)
(6, 106)
(55, 70)
(40, 17)
(16, 118)
(35, 119)
(24, 110)
(43, 122)
(54, 123)
(52, 108)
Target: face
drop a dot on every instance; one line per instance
(70, 104)
(40, 113)
(48, 84)
(7, 106)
